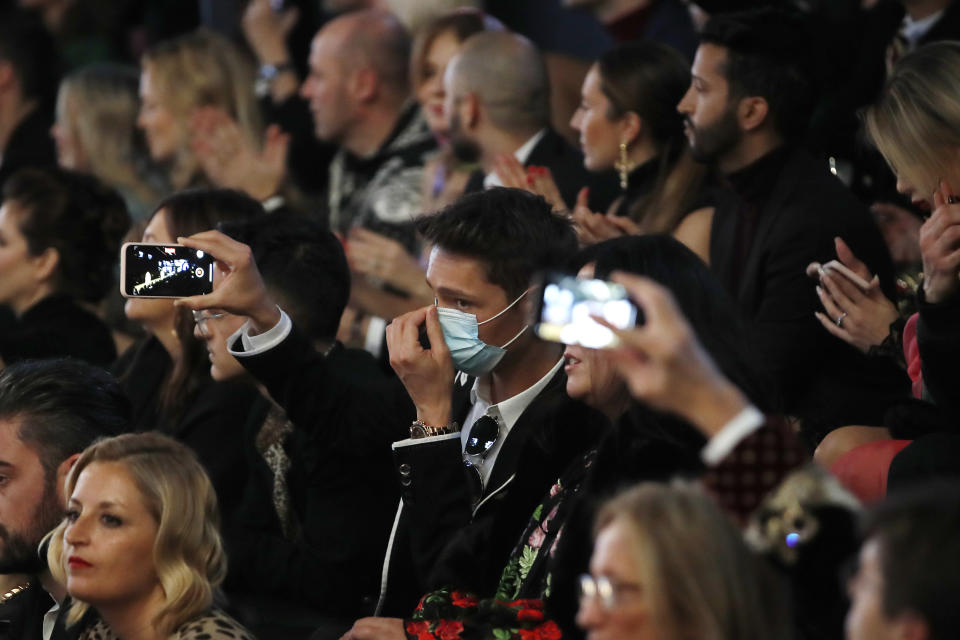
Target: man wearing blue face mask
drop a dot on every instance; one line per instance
(494, 423)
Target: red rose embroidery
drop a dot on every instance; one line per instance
(546, 631)
(462, 600)
(449, 630)
(417, 628)
(530, 615)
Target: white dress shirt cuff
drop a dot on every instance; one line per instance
(255, 345)
(410, 442)
(740, 427)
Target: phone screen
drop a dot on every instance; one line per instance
(566, 307)
(164, 271)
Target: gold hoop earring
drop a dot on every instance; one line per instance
(623, 166)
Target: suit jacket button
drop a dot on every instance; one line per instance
(404, 469)
(406, 481)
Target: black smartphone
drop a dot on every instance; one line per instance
(568, 303)
(164, 271)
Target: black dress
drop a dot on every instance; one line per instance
(55, 327)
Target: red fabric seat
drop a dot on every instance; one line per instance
(863, 470)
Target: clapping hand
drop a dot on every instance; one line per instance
(597, 227)
(230, 160)
(536, 180)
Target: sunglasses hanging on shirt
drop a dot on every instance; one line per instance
(480, 439)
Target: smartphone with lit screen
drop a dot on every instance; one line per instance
(164, 271)
(568, 304)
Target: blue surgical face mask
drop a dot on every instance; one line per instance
(469, 353)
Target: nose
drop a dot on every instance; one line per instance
(198, 333)
(591, 615)
(576, 119)
(305, 89)
(903, 187)
(75, 533)
(685, 106)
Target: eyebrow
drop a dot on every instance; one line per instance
(103, 504)
(453, 293)
(4, 463)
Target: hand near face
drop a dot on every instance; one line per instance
(238, 287)
(266, 30)
(940, 247)
(230, 161)
(867, 315)
(427, 374)
(664, 364)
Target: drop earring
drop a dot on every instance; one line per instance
(623, 166)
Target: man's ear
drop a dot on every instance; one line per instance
(753, 112)
(62, 472)
(364, 84)
(472, 108)
(46, 264)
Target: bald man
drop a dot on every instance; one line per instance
(359, 96)
(498, 103)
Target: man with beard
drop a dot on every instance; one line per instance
(747, 109)
(497, 100)
(50, 411)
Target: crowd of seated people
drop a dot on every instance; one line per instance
(366, 430)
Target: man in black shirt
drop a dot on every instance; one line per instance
(50, 411)
(779, 209)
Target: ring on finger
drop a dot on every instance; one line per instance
(840, 319)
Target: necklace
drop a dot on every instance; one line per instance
(16, 590)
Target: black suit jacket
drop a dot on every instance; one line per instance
(566, 164)
(823, 379)
(346, 414)
(441, 539)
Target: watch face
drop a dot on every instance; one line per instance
(418, 431)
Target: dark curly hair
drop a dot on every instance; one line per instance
(80, 217)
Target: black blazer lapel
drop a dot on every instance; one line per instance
(529, 422)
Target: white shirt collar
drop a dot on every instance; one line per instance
(511, 408)
(521, 154)
(913, 30)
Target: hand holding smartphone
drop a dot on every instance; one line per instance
(568, 305)
(164, 271)
(835, 266)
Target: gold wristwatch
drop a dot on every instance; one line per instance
(420, 430)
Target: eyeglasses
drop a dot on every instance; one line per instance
(201, 318)
(482, 436)
(608, 593)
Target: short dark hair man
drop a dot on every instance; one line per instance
(907, 583)
(487, 245)
(746, 109)
(50, 411)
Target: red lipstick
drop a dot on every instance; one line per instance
(76, 562)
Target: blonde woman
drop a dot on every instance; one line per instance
(96, 133)
(140, 543)
(180, 78)
(667, 564)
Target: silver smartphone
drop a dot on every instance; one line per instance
(164, 271)
(567, 307)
